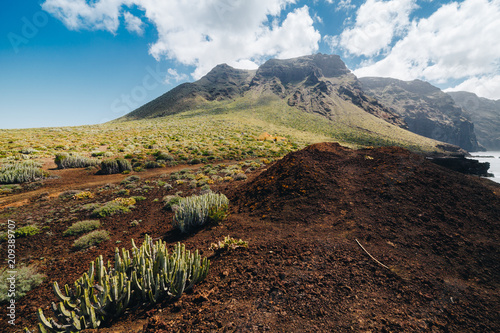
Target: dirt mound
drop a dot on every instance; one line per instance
(387, 194)
(436, 231)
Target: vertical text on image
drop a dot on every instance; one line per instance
(11, 270)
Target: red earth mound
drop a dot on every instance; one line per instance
(436, 232)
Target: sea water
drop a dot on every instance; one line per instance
(492, 157)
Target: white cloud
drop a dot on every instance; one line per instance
(345, 5)
(77, 14)
(458, 41)
(377, 23)
(173, 74)
(205, 33)
(486, 86)
(133, 23)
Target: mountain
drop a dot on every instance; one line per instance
(426, 109)
(485, 113)
(316, 94)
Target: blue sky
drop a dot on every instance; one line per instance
(76, 62)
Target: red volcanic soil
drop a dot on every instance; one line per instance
(435, 231)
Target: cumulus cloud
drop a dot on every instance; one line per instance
(377, 23)
(172, 74)
(133, 23)
(78, 14)
(457, 42)
(486, 86)
(205, 33)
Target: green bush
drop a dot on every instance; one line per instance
(22, 172)
(90, 239)
(170, 201)
(163, 156)
(26, 279)
(26, 231)
(130, 179)
(229, 243)
(109, 167)
(110, 208)
(194, 211)
(65, 161)
(81, 227)
(152, 165)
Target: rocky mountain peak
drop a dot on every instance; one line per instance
(296, 70)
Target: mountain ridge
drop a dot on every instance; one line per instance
(315, 84)
(426, 109)
(485, 113)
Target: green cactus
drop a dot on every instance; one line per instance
(150, 274)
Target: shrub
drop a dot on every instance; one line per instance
(150, 275)
(90, 206)
(111, 208)
(139, 198)
(240, 176)
(68, 194)
(123, 192)
(195, 211)
(23, 172)
(152, 165)
(163, 156)
(130, 179)
(170, 201)
(227, 244)
(9, 188)
(109, 167)
(81, 227)
(26, 231)
(65, 161)
(83, 195)
(127, 202)
(26, 279)
(90, 239)
(135, 223)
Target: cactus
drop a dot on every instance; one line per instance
(150, 274)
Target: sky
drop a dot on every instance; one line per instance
(79, 62)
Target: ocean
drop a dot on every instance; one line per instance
(492, 157)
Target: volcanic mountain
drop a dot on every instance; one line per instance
(318, 89)
(426, 109)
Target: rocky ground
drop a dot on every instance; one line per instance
(434, 232)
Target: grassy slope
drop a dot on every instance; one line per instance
(214, 125)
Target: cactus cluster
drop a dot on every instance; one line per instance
(197, 210)
(148, 275)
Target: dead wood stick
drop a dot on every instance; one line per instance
(378, 262)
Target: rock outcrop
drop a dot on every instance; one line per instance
(426, 109)
(485, 113)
